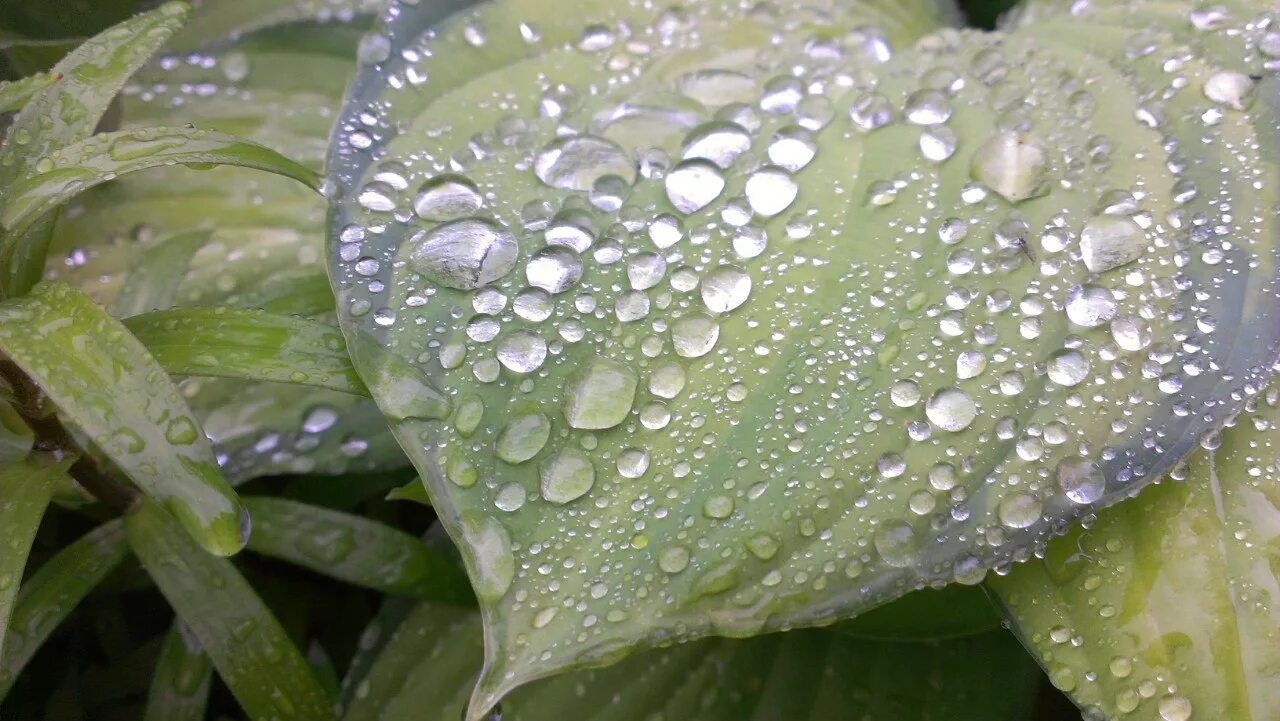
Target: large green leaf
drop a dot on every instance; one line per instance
(154, 280)
(246, 344)
(67, 112)
(353, 549)
(1168, 607)
(425, 667)
(14, 94)
(54, 591)
(70, 170)
(252, 653)
(712, 340)
(26, 487)
(105, 383)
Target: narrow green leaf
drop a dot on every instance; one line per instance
(253, 655)
(354, 550)
(423, 673)
(152, 283)
(54, 591)
(75, 168)
(16, 93)
(87, 80)
(305, 294)
(182, 678)
(415, 491)
(231, 19)
(104, 381)
(26, 486)
(248, 344)
(1168, 607)
(66, 112)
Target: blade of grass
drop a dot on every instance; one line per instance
(26, 486)
(152, 284)
(183, 675)
(53, 592)
(104, 381)
(354, 550)
(16, 93)
(254, 656)
(248, 344)
(75, 168)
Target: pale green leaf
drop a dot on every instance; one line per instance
(423, 673)
(54, 591)
(253, 655)
(751, 348)
(26, 486)
(1168, 607)
(231, 19)
(247, 344)
(72, 169)
(66, 112)
(182, 678)
(104, 382)
(355, 550)
(16, 93)
(154, 279)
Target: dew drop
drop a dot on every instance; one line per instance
(464, 254)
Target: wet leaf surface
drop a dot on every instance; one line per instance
(688, 337)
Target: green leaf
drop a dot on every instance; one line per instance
(26, 486)
(182, 678)
(414, 491)
(1166, 607)
(305, 294)
(154, 280)
(236, 18)
(425, 668)
(246, 344)
(72, 169)
(354, 550)
(253, 655)
(67, 112)
(104, 382)
(54, 591)
(755, 359)
(16, 93)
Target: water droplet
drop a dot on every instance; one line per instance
(725, 288)
(1068, 368)
(447, 197)
(577, 162)
(1019, 510)
(718, 141)
(1174, 708)
(694, 335)
(1081, 480)
(1013, 165)
(633, 462)
(554, 269)
(523, 437)
(895, 541)
(1108, 242)
(950, 409)
(693, 184)
(522, 351)
(494, 563)
(510, 497)
(599, 395)
(464, 254)
(566, 476)
(771, 190)
(673, 559)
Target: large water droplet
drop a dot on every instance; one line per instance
(1081, 480)
(577, 162)
(523, 437)
(447, 197)
(566, 476)
(694, 335)
(950, 409)
(725, 288)
(599, 395)
(464, 254)
(693, 184)
(1109, 242)
(1013, 165)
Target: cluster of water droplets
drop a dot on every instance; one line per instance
(733, 320)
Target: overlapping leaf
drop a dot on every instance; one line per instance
(424, 669)
(247, 645)
(104, 382)
(228, 237)
(26, 486)
(689, 337)
(1168, 607)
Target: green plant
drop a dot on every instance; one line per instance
(825, 318)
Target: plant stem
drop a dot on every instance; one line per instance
(52, 437)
